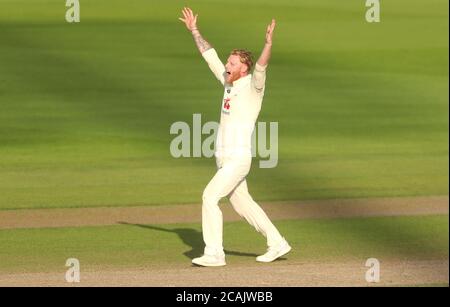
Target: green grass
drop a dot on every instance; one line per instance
(86, 108)
(122, 246)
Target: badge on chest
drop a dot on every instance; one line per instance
(226, 106)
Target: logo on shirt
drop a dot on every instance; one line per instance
(226, 106)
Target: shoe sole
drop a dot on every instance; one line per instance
(281, 254)
(209, 264)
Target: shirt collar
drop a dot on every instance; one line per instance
(242, 80)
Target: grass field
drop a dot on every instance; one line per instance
(129, 245)
(86, 108)
(85, 112)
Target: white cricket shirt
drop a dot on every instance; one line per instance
(240, 108)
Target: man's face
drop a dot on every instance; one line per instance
(234, 69)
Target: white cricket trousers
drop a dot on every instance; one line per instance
(230, 181)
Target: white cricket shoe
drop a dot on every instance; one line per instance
(210, 260)
(275, 252)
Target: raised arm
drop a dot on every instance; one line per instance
(267, 50)
(191, 24)
(259, 74)
(205, 48)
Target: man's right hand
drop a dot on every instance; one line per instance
(191, 24)
(189, 19)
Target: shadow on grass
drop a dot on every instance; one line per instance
(190, 237)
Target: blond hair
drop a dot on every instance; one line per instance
(245, 56)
